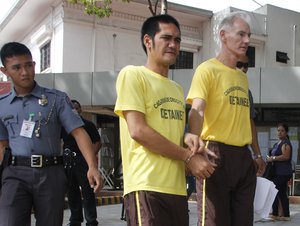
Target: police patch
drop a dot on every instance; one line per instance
(69, 102)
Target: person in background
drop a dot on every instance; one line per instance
(151, 109)
(219, 118)
(281, 156)
(31, 118)
(77, 175)
(242, 64)
(191, 185)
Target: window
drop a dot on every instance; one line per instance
(45, 57)
(251, 56)
(282, 57)
(185, 60)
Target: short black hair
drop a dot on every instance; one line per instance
(76, 102)
(151, 26)
(11, 49)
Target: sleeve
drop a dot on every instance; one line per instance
(130, 92)
(200, 85)
(68, 116)
(3, 119)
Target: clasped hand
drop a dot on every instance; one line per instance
(202, 164)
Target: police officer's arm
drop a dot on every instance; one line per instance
(85, 145)
(142, 133)
(3, 145)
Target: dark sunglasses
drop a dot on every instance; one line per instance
(240, 64)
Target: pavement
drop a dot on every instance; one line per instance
(109, 211)
(110, 215)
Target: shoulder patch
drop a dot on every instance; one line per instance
(69, 102)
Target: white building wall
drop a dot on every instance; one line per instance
(281, 36)
(88, 44)
(48, 27)
(125, 49)
(99, 48)
(79, 43)
(82, 43)
(205, 51)
(77, 48)
(57, 49)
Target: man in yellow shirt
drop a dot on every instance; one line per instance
(151, 108)
(220, 117)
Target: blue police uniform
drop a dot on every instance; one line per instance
(35, 179)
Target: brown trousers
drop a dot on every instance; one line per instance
(147, 208)
(226, 198)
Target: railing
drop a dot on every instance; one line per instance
(295, 181)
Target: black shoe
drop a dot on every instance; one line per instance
(74, 224)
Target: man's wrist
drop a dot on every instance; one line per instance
(257, 156)
(188, 159)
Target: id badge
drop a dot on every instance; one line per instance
(27, 128)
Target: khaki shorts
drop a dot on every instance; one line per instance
(147, 208)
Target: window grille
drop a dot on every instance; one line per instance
(45, 56)
(185, 60)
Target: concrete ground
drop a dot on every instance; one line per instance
(109, 215)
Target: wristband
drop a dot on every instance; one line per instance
(257, 156)
(188, 159)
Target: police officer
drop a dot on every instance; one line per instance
(31, 120)
(77, 175)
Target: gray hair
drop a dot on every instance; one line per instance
(228, 21)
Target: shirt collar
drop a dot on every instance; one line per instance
(36, 92)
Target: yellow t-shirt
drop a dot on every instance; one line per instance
(225, 91)
(162, 102)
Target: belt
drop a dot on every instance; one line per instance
(36, 161)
